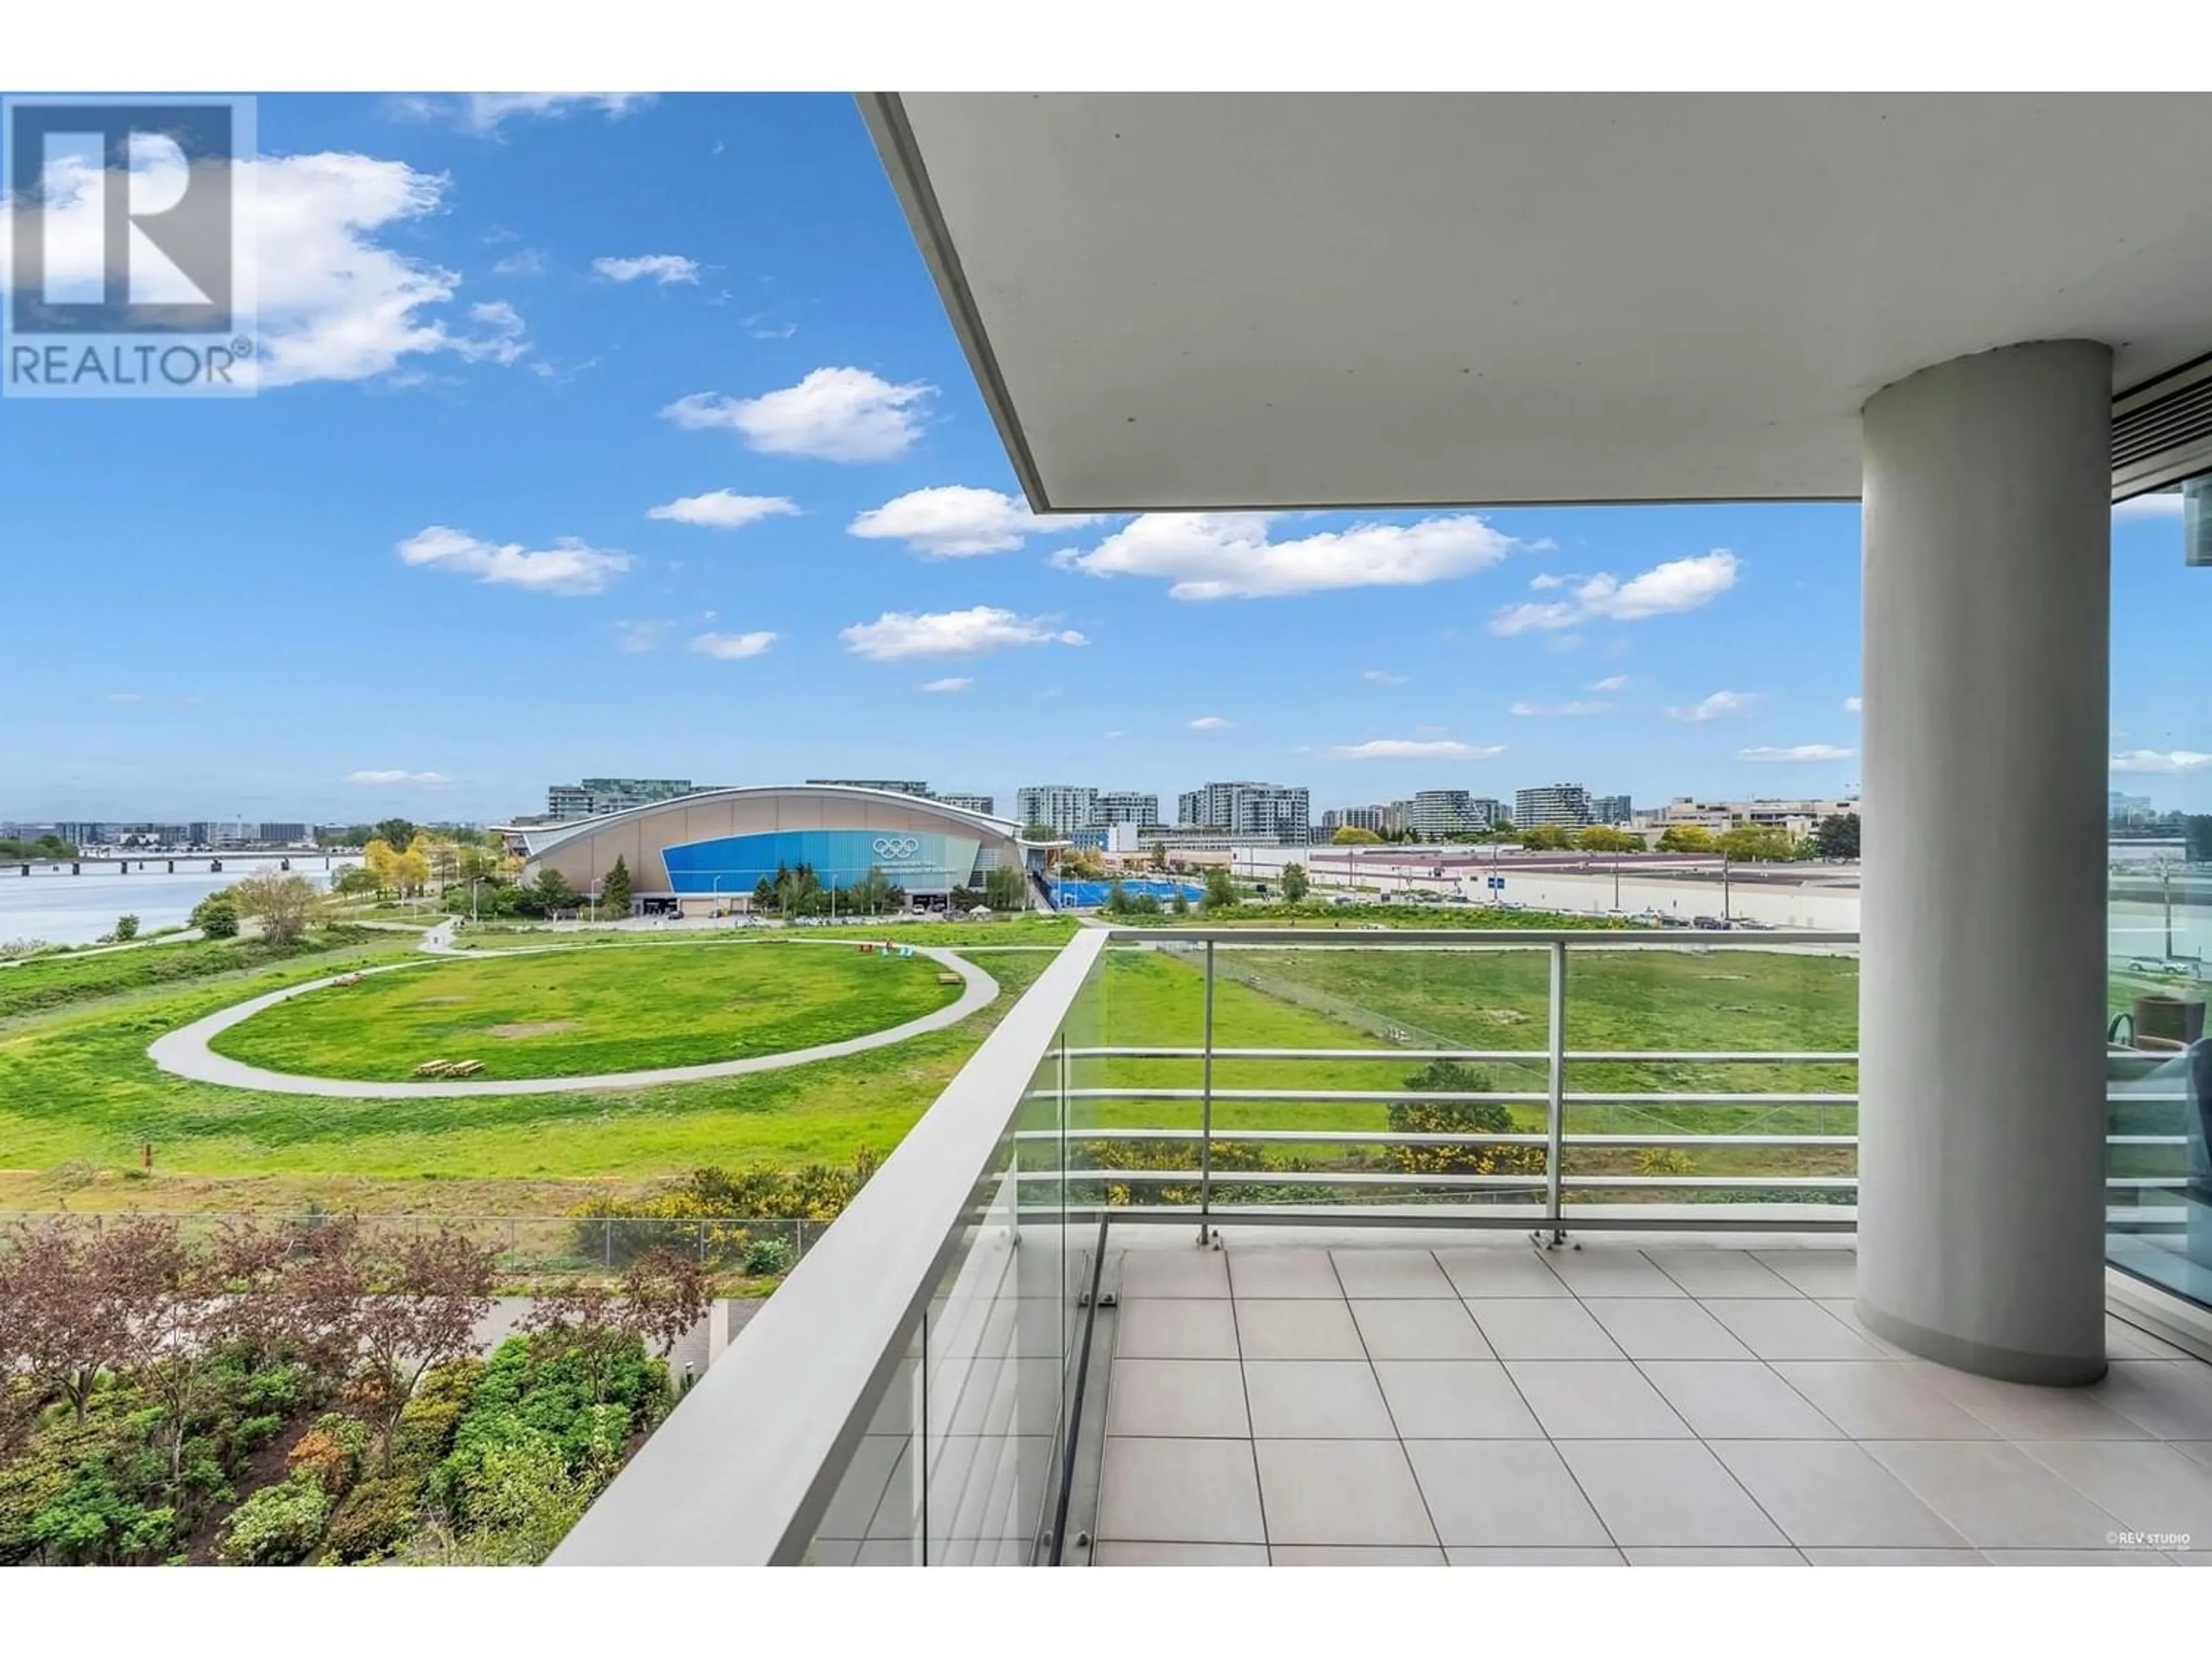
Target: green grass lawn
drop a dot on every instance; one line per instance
(46, 982)
(573, 1013)
(78, 1097)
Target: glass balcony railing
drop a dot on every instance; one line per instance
(913, 1393)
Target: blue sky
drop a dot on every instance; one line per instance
(424, 572)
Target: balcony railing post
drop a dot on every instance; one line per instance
(1205, 1108)
(1555, 1090)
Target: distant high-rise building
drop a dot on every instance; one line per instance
(1115, 806)
(1610, 809)
(1373, 818)
(1063, 808)
(987, 804)
(282, 834)
(595, 797)
(2124, 809)
(1557, 806)
(1262, 812)
(1443, 812)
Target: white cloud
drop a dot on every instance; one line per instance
(1229, 556)
(637, 637)
(1414, 749)
(953, 521)
(758, 326)
(729, 647)
(126, 696)
(569, 568)
(833, 415)
(1111, 735)
(1722, 705)
(523, 261)
(2166, 504)
(2153, 760)
(504, 343)
(1382, 677)
(396, 775)
(953, 683)
(1610, 682)
(1545, 584)
(722, 509)
(1804, 751)
(1851, 705)
(484, 112)
(661, 268)
(897, 634)
(1549, 708)
(1211, 723)
(1678, 584)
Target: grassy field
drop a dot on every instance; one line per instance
(573, 1013)
(43, 982)
(78, 1097)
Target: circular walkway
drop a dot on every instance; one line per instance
(185, 1051)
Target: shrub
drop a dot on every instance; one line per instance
(374, 1518)
(217, 916)
(279, 1525)
(1457, 1117)
(767, 1256)
(126, 927)
(332, 1452)
(253, 1431)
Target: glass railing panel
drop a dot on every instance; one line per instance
(1711, 1072)
(1334, 1072)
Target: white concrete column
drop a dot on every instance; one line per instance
(1988, 540)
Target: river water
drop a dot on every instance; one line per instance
(66, 909)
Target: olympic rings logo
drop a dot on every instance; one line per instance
(897, 847)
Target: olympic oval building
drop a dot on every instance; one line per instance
(708, 850)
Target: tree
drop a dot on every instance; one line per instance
(1351, 836)
(423, 1296)
(1600, 838)
(1837, 836)
(217, 916)
(383, 862)
(1220, 889)
(354, 880)
(1544, 838)
(70, 1297)
(284, 904)
(1117, 898)
(614, 891)
(415, 864)
(126, 927)
(1005, 890)
(395, 832)
(1759, 841)
(1043, 832)
(1686, 838)
(763, 894)
(1180, 904)
(1295, 884)
(1160, 854)
(1456, 1117)
(552, 891)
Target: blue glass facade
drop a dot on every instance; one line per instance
(736, 864)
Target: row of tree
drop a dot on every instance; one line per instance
(796, 889)
(1836, 837)
(48, 846)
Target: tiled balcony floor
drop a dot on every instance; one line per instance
(1680, 1403)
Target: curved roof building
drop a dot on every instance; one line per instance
(720, 843)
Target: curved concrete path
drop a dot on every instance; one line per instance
(185, 1051)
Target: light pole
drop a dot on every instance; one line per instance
(1725, 887)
